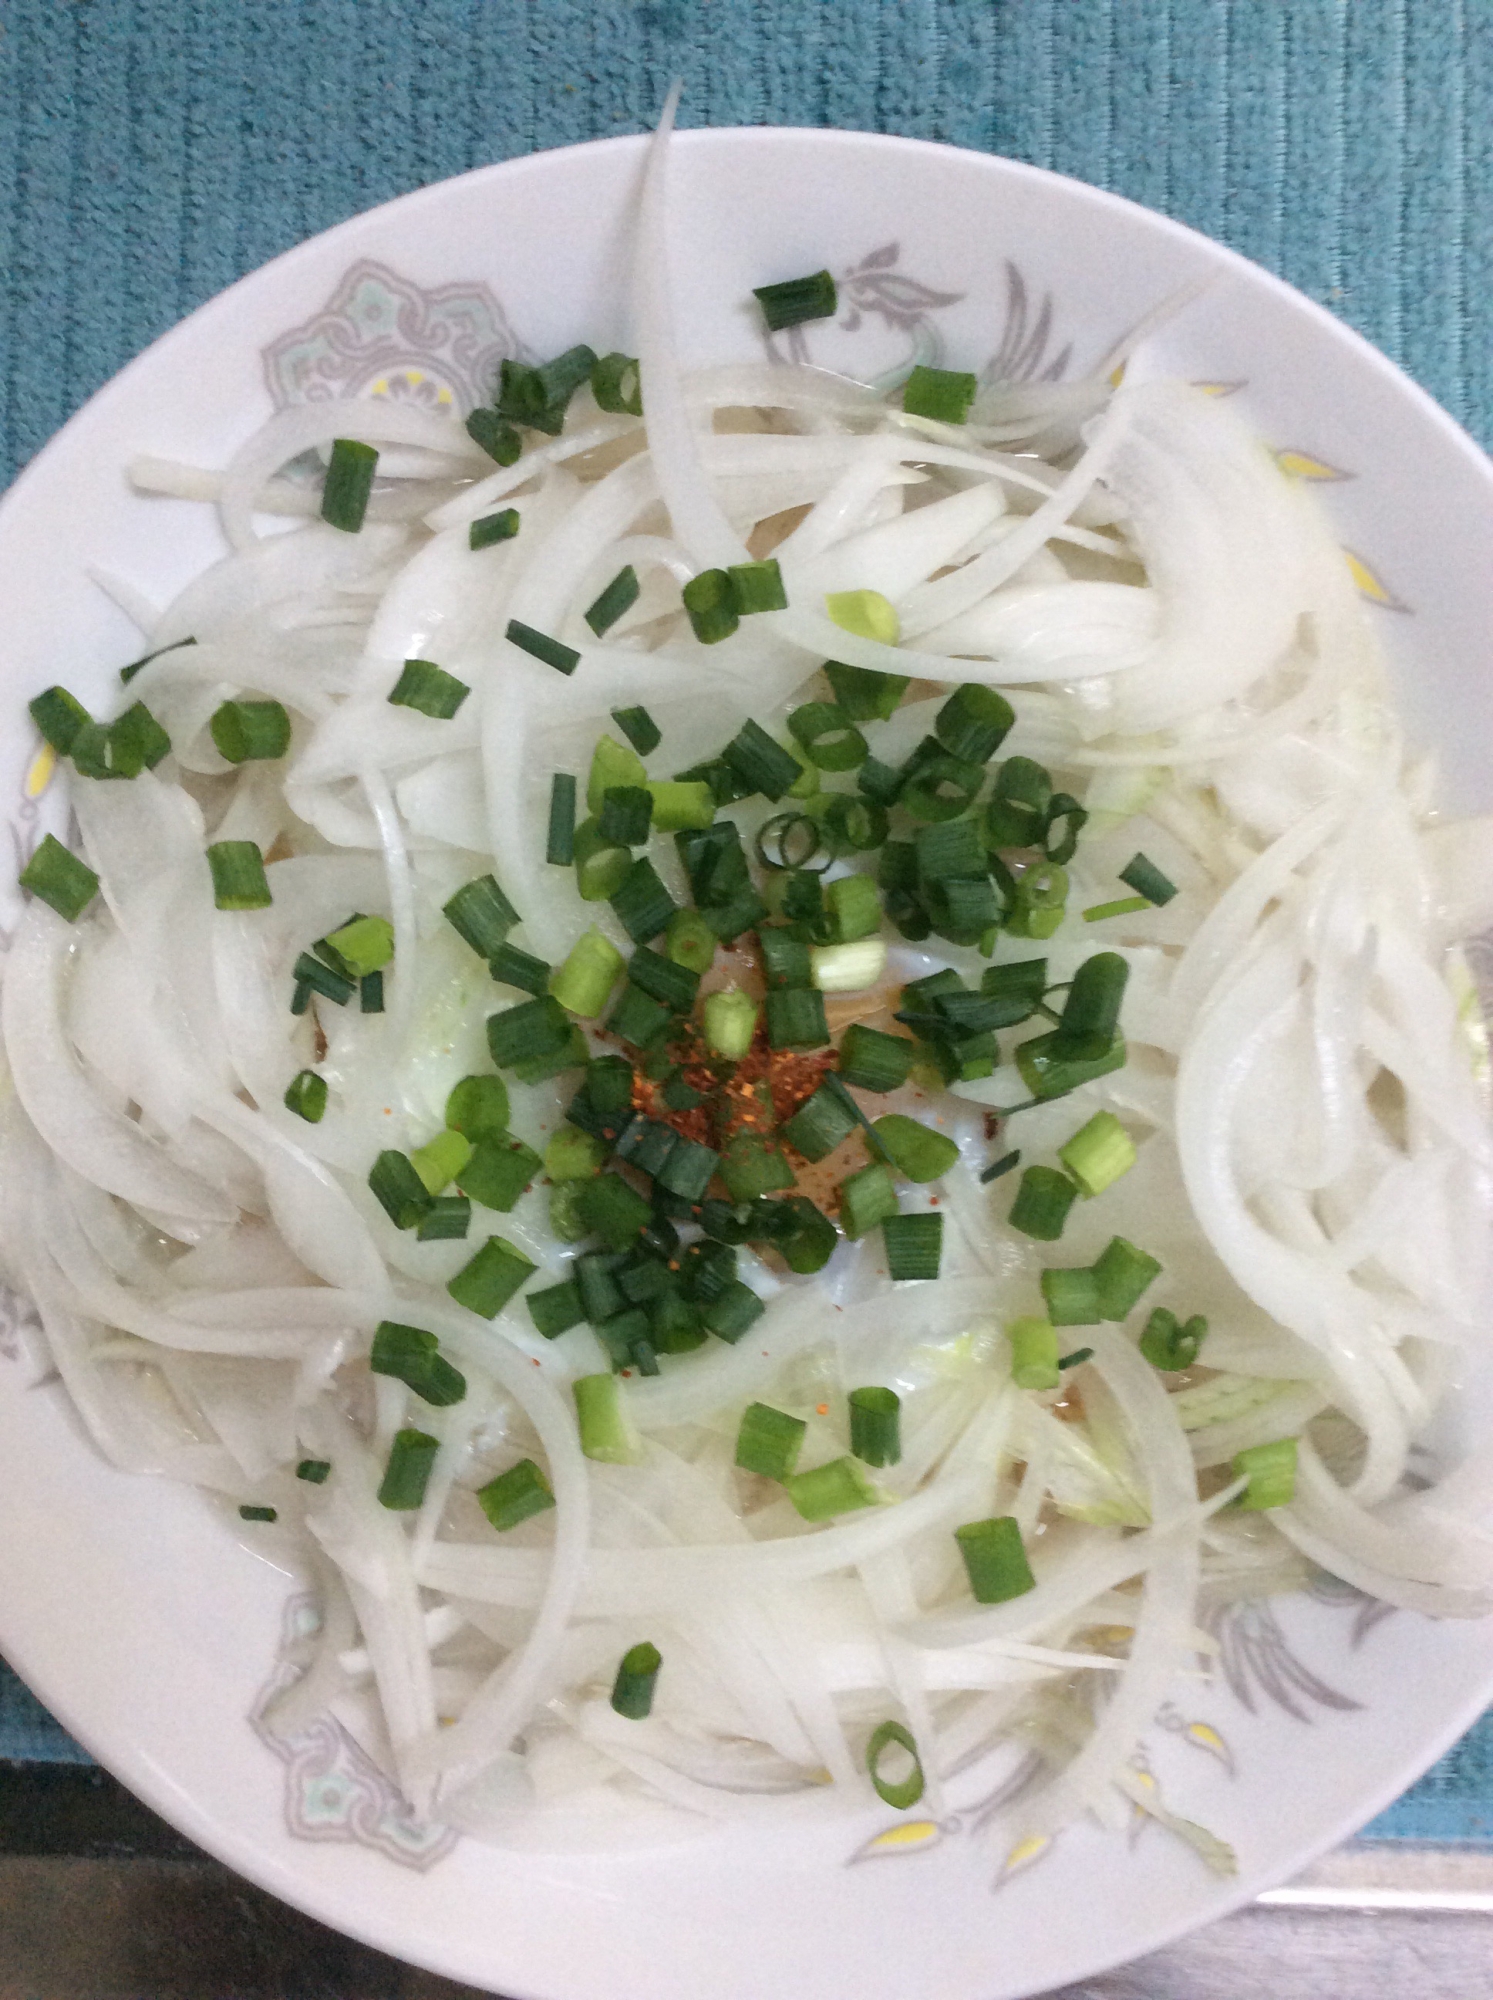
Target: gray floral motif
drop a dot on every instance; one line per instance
(381, 335)
(1258, 1660)
(19, 1323)
(1022, 354)
(333, 1789)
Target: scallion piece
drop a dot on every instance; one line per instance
(768, 1441)
(348, 484)
(613, 764)
(607, 1431)
(1098, 1153)
(876, 1425)
(556, 1309)
(793, 301)
(314, 1471)
(1073, 1360)
(864, 694)
(1171, 1345)
(758, 586)
(600, 1294)
(867, 1198)
(430, 689)
(898, 1793)
(626, 812)
(995, 1559)
(515, 1495)
(638, 1019)
(642, 904)
(407, 1474)
(1042, 1202)
(785, 959)
(710, 602)
(584, 983)
(663, 979)
(1034, 1353)
(486, 1283)
(398, 1188)
(732, 1311)
(497, 1171)
(1147, 880)
(1091, 1012)
(943, 394)
(478, 1106)
(820, 1123)
(534, 1028)
(840, 1487)
(1048, 1070)
(257, 1514)
(600, 865)
(752, 1165)
(59, 716)
(636, 724)
(61, 879)
(239, 880)
(540, 646)
(1003, 1165)
(974, 722)
(441, 1160)
(306, 1096)
(849, 968)
(1122, 906)
(796, 1019)
(615, 385)
(851, 825)
(494, 528)
(830, 740)
(312, 975)
(1122, 1273)
(411, 1355)
(495, 436)
(620, 595)
(137, 741)
(949, 850)
(729, 1020)
(614, 1210)
(680, 803)
(250, 731)
(913, 1245)
(1071, 1297)
(1014, 990)
(762, 764)
(127, 674)
(481, 914)
(572, 1155)
(854, 905)
(915, 1149)
(1271, 1472)
(866, 613)
(875, 1061)
(939, 786)
(361, 945)
(559, 848)
(447, 1220)
(511, 967)
(637, 1675)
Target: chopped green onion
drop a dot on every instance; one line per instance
(307, 1096)
(493, 528)
(1167, 1344)
(1061, 807)
(785, 959)
(371, 993)
(789, 840)
(994, 1559)
(876, 1425)
(898, 1793)
(497, 1171)
(61, 879)
(874, 1061)
(248, 731)
(849, 968)
(430, 689)
(600, 1295)
(732, 1311)
(534, 1028)
(583, 984)
(573, 1156)
(313, 976)
(913, 1245)
(768, 1441)
(538, 396)
(1014, 990)
(486, 1283)
(361, 945)
(944, 394)
(407, 1474)
(762, 763)
(864, 694)
(1079, 1354)
(674, 1324)
(793, 301)
(411, 1355)
(127, 674)
(540, 646)
(638, 1019)
(1017, 812)
(881, 783)
(914, 1149)
(614, 1210)
(710, 602)
(481, 914)
(758, 586)
(1091, 1012)
(636, 724)
(564, 1222)
(613, 764)
(439, 1162)
(59, 716)
(663, 979)
(615, 601)
(837, 1488)
(608, 1434)
(515, 1495)
(493, 435)
(478, 1106)
(1098, 1153)
(679, 803)
(1072, 1297)
(556, 1309)
(348, 484)
(642, 904)
(615, 385)
(820, 1124)
(626, 811)
(1034, 1353)
(867, 1198)
(601, 865)
(257, 1514)
(998, 1167)
(938, 786)
(729, 1020)
(854, 904)
(796, 1019)
(398, 1188)
(865, 613)
(1271, 1472)
(239, 880)
(830, 740)
(447, 1220)
(622, 1335)
(851, 825)
(1123, 906)
(1049, 1071)
(1042, 1202)
(511, 967)
(974, 722)
(559, 846)
(632, 1690)
(1122, 1273)
(949, 850)
(752, 1165)
(314, 1470)
(646, 1144)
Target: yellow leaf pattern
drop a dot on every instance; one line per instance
(1023, 1855)
(43, 764)
(908, 1836)
(1370, 584)
(1301, 465)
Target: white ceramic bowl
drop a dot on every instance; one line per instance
(133, 1610)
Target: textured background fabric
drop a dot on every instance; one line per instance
(153, 150)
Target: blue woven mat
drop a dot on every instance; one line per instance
(153, 150)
